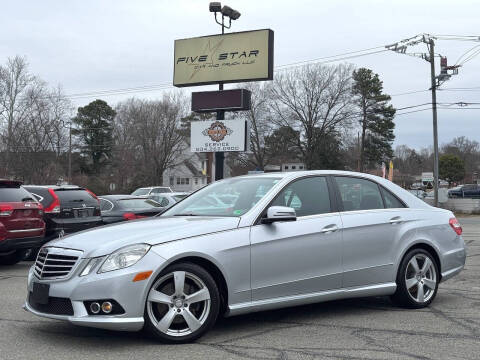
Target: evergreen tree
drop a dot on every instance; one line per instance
(451, 168)
(94, 127)
(376, 118)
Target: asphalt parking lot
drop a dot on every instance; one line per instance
(370, 328)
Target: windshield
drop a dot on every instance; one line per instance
(231, 197)
(141, 191)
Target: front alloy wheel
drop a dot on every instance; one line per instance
(417, 279)
(182, 304)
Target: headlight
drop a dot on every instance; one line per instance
(124, 257)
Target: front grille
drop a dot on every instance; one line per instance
(55, 263)
(55, 306)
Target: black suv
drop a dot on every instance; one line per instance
(67, 209)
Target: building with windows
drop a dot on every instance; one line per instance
(189, 175)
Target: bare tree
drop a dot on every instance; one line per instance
(31, 124)
(314, 100)
(260, 120)
(14, 82)
(151, 131)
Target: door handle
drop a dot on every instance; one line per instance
(329, 228)
(396, 220)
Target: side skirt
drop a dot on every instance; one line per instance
(296, 300)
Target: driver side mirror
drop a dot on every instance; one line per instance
(279, 213)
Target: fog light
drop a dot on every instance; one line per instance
(95, 308)
(107, 307)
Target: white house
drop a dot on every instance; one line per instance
(191, 173)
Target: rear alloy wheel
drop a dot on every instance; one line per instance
(417, 280)
(182, 304)
(13, 257)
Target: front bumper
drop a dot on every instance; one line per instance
(117, 285)
(21, 243)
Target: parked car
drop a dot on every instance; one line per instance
(116, 208)
(151, 190)
(465, 191)
(313, 236)
(167, 200)
(419, 193)
(67, 208)
(21, 222)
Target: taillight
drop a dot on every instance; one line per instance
(93, 195)
(455, 226)
(6, 210)
(40, 209)
(132, 216)
(54, 207)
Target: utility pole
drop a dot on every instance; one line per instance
(431, 59)
(436, 81)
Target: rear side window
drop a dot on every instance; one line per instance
(41, 194)
(12, 194)
(307, 196)
(75, 196)
(359, 194)
(137, 204)
(391, 201)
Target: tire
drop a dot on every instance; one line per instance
(170, 316)
(417, 280)
(12, 258)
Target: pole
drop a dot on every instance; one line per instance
(220, 156)
(435, 129)
(70, 154)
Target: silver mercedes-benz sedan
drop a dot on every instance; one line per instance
(285, 239)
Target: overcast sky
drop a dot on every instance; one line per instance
(93, 45)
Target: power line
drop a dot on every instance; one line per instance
(164, 86)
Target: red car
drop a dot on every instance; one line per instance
(21, 222)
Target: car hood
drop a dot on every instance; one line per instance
(106, 239)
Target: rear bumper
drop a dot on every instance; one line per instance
(21, 243)
(57, 227)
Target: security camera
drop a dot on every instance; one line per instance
(235, 15)
(227, 11)
(215, 7)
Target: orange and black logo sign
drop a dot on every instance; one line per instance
(217, 131)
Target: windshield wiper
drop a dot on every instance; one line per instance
(186, 214)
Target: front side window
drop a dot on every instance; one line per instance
(359, 194)
(307, 196)
(230, 197)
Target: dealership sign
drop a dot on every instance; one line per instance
(227, 58)
(219, 135)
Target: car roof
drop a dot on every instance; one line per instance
(295, 174)
(56, 187)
